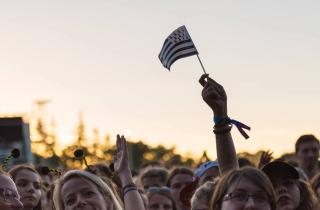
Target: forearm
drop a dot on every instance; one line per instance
(226, 153)
(132, 199)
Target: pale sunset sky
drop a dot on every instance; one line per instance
(101, 57)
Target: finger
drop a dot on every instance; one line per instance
(263, 156)
(210, 92)
(125, 145)
(202, 79)
(210, 95)
(207, 91)
(210, 86)
(216, 85)
(222, 92)
(122, 142)
(118, 142)
(212, 81)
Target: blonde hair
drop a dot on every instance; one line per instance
(102, 186)
(205, 192)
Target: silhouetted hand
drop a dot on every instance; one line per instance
(265, 158)
(214, 95)
(121, 162)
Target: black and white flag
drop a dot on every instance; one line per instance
(177, 45)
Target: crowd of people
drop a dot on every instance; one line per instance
(225, 184)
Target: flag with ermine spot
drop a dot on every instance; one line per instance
(177, 45)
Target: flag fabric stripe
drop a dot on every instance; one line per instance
(181, 54)
(166, 45)
(185, 46)
(177, 45)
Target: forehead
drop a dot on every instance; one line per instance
(279, 179)
(157, 198)
(46, 179)
(27, 175)
(181, 178)
(77, 184)
(6, 182)
(151, 179)
(309, 145)
(244, 184)
(214, 171)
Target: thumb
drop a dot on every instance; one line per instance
(202, 79)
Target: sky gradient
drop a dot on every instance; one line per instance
(101, 58)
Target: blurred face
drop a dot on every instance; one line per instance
(151, 182)
(201, 204)
(243, 195)
(159, 202)
(287, 193)
(9, 197)
(308, 154)
(178, 182)
(80, 193)
(29, 187)
(209, 175)
(46, 183)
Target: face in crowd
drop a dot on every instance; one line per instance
(47, 182)
(177, 183)
(308, 154)
(9, 196)
(287, 193)
(207, 171)
(307, 151)
(159, 198)
(79, 193)
(83, 190)
(292, 193)
(246, 188)
(209, 175)
(153, 177)
(28, 182)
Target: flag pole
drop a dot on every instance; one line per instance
(201, 64)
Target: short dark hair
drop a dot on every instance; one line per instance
(159, 172)
(306, 139)
(178, 170)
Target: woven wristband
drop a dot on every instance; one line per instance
(128, 190)
(220, 122)
(222, 130)
(128, 185)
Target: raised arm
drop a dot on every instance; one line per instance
(132, 198)
(216, 98)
